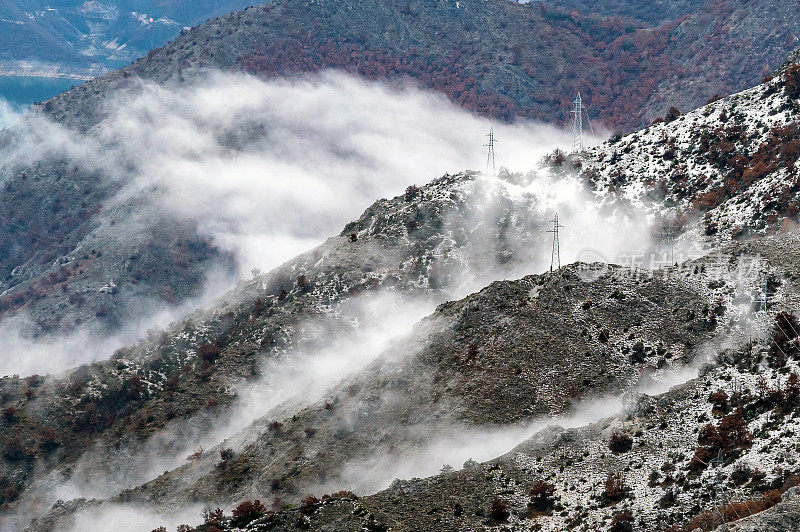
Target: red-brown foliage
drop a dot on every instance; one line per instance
(620, 442)
(734, 511)
(621, 522)
(209, 352)
(719, 399)
(259, 306)
(542, 496)
(448, 74)
(213, 517)
(50, 439)
(791, 81)
(309, 505)
(615, 489)
(731, 433)
(9, 414)
(343, 494)
(672, 114)
(248, 511)
(498, 511)
(14, 449)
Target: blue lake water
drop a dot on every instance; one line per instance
(22, 91)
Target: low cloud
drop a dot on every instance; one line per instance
(450, 445)
(266, 169)
(270, 168)
(26, 353)
(130, 518)
(365, 327)
(8, 114)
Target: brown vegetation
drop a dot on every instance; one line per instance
(248, 511)
(541, 494)
(615, 489)
(791, 81)
(498, 511)
(620, 442)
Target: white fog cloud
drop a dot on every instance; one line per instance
(271, 168)
(268, 169)
(455, 445)
(289, 382)
(8, 114)
(131, 518)
(26, 353)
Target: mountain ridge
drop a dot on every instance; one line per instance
(276, 39)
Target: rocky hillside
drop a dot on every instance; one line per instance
(427, 242)
(496, 58)
(650, 466)
(647, 468)
(203, 402)
(733, 163)
(72, 257)
(75, 267)
(619, 329)
(492, 360)
(166, 394)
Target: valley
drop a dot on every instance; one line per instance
(265, 278)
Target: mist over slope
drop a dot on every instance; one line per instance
(477, 369)
(123, 241)
(324, 374)
(430, 241)
(491, 360)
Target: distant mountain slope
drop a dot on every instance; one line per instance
(77, 34)
(655, 12)
(494, 57)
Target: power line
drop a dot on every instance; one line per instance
(555, 256)
(762, 300)
(490, 145)
(577, 124)
(668, 237)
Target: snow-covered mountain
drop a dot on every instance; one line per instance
(732, 164)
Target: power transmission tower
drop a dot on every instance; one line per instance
(577, 124)
(668, 237)
(490, 145)
(555, 256)
(762, 300)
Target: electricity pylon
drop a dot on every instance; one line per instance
(555, 256)
(490, 145)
